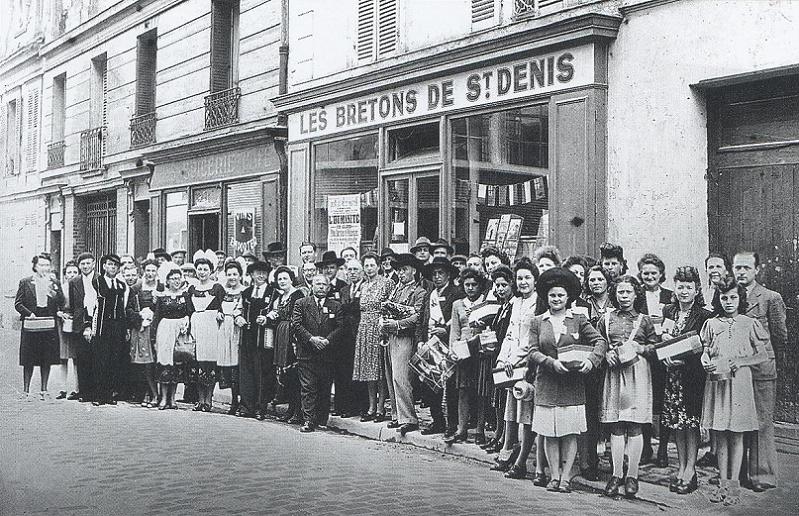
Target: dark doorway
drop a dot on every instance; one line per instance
(141, 228)
(204, 231)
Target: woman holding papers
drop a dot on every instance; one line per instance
(470, 315)
(564, 347)
(685, 376)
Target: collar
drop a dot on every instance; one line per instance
(547, 315)
(445, 287)
(752, 287)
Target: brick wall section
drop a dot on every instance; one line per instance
(79, 226)
(122, 220)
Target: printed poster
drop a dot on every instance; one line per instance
(243, 239)
(343, 222)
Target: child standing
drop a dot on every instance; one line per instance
(733, 343)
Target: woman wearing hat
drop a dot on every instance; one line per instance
(401, 314)
(627, 397)
(39, 298)
(559, 413)
(387, 258)
(205, 302)
(368, 366)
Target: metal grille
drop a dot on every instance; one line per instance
(142, 130)
(101, 224)
(222, 108)
(55, 154)
(521, 7)
(92, 148)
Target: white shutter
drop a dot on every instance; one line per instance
(366, 30)
(387, 27)
(32, 129)
(482, 10)
(3, 133)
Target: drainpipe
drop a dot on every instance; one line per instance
(282, 121)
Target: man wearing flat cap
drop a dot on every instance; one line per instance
(421, 249)
(108, 330)
(179, 257)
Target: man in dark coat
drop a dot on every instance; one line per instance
(256, 373)
(82, 305)
(435, 321)
(109, 345)
(349, 393)
(317, 324)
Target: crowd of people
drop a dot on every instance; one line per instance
(560, 353)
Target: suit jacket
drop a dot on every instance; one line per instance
(111, 301)
(665, 299)
(351, 311)
(308, 321)
(446, 298)
(80, 319)
(25, 300)
(768, 307)
(252, 335)
(336, 286)
(554, 389)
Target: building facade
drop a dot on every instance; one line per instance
(129, 125)
(667, 126)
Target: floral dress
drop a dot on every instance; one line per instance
(367, 366)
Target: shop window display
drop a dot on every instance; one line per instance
(500, 164)
(177, 207)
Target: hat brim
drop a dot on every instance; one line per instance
(449, 248)
(427, 270)
(417, 247)
(258, 266)
(338, 262)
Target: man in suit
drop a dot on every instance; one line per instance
(346, 401)
(317, 324)
(329, 267)
(109, 346)
(767, 306)
(435, 321)
(82, 305)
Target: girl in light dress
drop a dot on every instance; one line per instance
(732, 343)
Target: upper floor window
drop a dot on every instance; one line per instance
(377, 29)
(146, 53)
(32, 129)
(99, 91)
(484, 13)
(224, 44)
(58, 107)
(11, 138)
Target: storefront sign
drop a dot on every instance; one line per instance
(343, 222)
(504, 82)
(244, 231)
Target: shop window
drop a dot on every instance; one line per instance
(769, 120)
(500, 164)
(346, 168)
(177, 207)
(417, 142)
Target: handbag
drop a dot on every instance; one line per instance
(185, 349)
(38, 324)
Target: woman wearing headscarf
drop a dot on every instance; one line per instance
(38, 300)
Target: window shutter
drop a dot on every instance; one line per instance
(3, 137)
(221, 24)
(104, 121)
(145, 74)
(548, 3)
(387, 27)
(366, 29)
(482, 10)
(32, 140)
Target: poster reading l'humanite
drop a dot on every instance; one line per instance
(343, 222)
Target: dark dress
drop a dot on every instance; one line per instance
(284, 337)
(685, 384)
(170, 313)
(40, 348)
(142, 339)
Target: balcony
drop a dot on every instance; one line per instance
(523, 7)
(142, 130)
(92, 149)
(55, 154)
(222, 108)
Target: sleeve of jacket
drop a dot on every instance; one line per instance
(536, 355)
(340, 331)
(131, 309)
(417, 300)
(302, 335)
(593, 338)
(19, 300)
(455, 323)
(424, 320)
(776, 320)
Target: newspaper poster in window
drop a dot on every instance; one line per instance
(343, 222)
(502, 230)
(511, 244)
(243, 231)
(491, 234)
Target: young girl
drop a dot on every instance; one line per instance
(627, 398)
(733, 343)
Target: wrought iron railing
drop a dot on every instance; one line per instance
(222, 108)
(55, 154)
(142, 129)
(92, 148)
(521, 7)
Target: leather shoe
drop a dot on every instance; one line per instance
(379, 418)
(456, 438)
(61, 395)
(516, 472)
(407, 427)
(73, 396)
(612, 487)
(759, 487)
(630, 487)
(540, 479)
(684, 488)
(674, 483)
(501, 465)
(432, 429)
(367, 417)
(307, 427)
(480, 439)
(393, 424)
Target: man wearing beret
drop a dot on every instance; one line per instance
(108, 330)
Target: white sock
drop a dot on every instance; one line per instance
(635, 445)
(617, 454)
